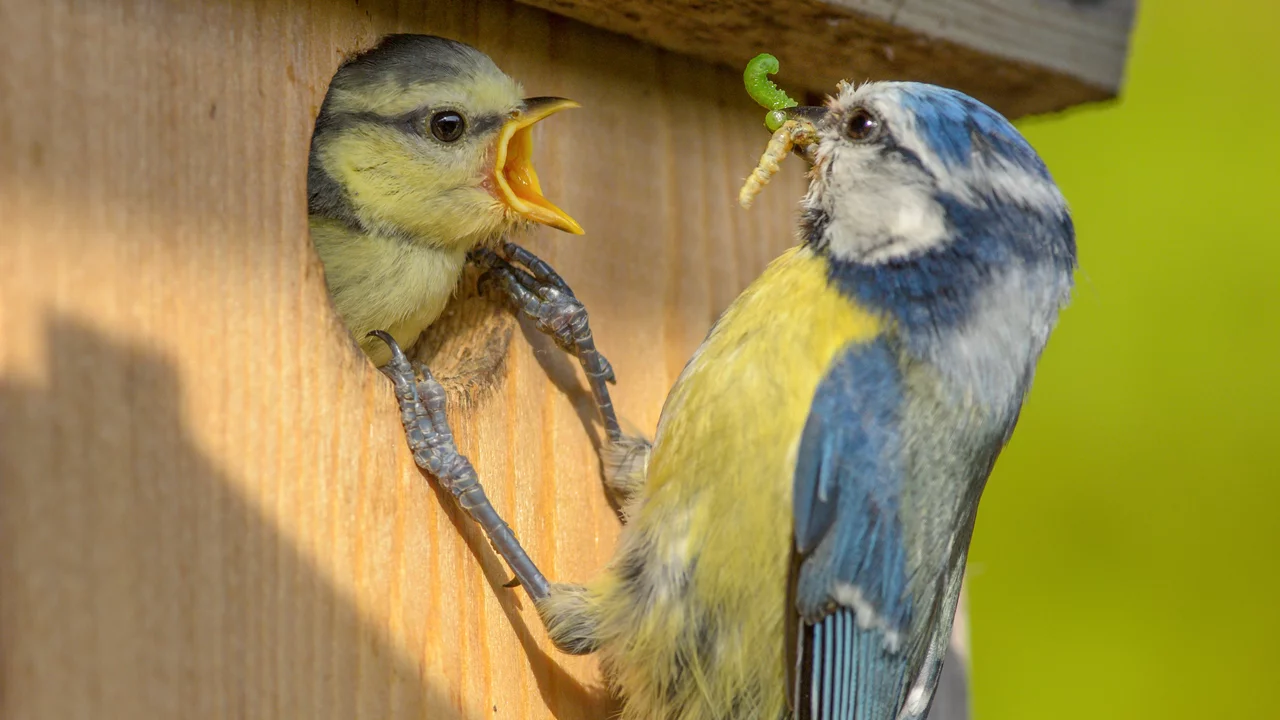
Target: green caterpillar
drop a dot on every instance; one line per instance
(765, 91)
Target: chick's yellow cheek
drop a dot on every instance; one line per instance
(470, 214)
(474, 212)
(395, 180)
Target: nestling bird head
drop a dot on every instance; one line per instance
(928, 202)
(425, 138)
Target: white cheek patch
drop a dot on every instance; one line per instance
(917, 226)
(878, 211)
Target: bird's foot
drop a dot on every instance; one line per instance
(539, 293)
(422, 406)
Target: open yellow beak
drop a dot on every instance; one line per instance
(513, 166)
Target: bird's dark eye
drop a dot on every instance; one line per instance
(862, 126)
(447, 126)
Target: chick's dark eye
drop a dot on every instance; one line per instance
(862, 125)
(447, 126)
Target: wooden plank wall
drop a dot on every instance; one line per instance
(206, 507)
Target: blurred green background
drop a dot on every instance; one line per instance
(1127, 556)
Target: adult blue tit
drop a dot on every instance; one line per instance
(421, 157)
(797, 533)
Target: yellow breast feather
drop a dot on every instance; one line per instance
(382, 283)
(723, 458)
(393, 188)
(760, 365)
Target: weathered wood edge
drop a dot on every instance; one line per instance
(820, 43)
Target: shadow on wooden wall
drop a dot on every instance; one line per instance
(145, 535)
(212, 571)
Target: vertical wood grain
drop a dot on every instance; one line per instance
(206, 507)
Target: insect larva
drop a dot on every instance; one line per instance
(785, 138)
(765, 91)
(787, 134)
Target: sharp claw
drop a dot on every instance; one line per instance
(483, 256)
(514, 583)
(397, 354)
(533, 289)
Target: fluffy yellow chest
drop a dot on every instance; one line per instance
(742, 400)
(380, 283)
(711, 534)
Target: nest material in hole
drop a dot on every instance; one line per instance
(466, 347)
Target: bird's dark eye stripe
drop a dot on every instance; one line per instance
(485, 123)
(371, 117)
(412, 121)
(416, 120)
(908, 157)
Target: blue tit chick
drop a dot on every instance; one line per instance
(421, 154)
(799, 530)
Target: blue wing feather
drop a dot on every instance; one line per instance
(851, 675)
(851, 588)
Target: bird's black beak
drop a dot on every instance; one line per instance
(810, 116)
(517, 183)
